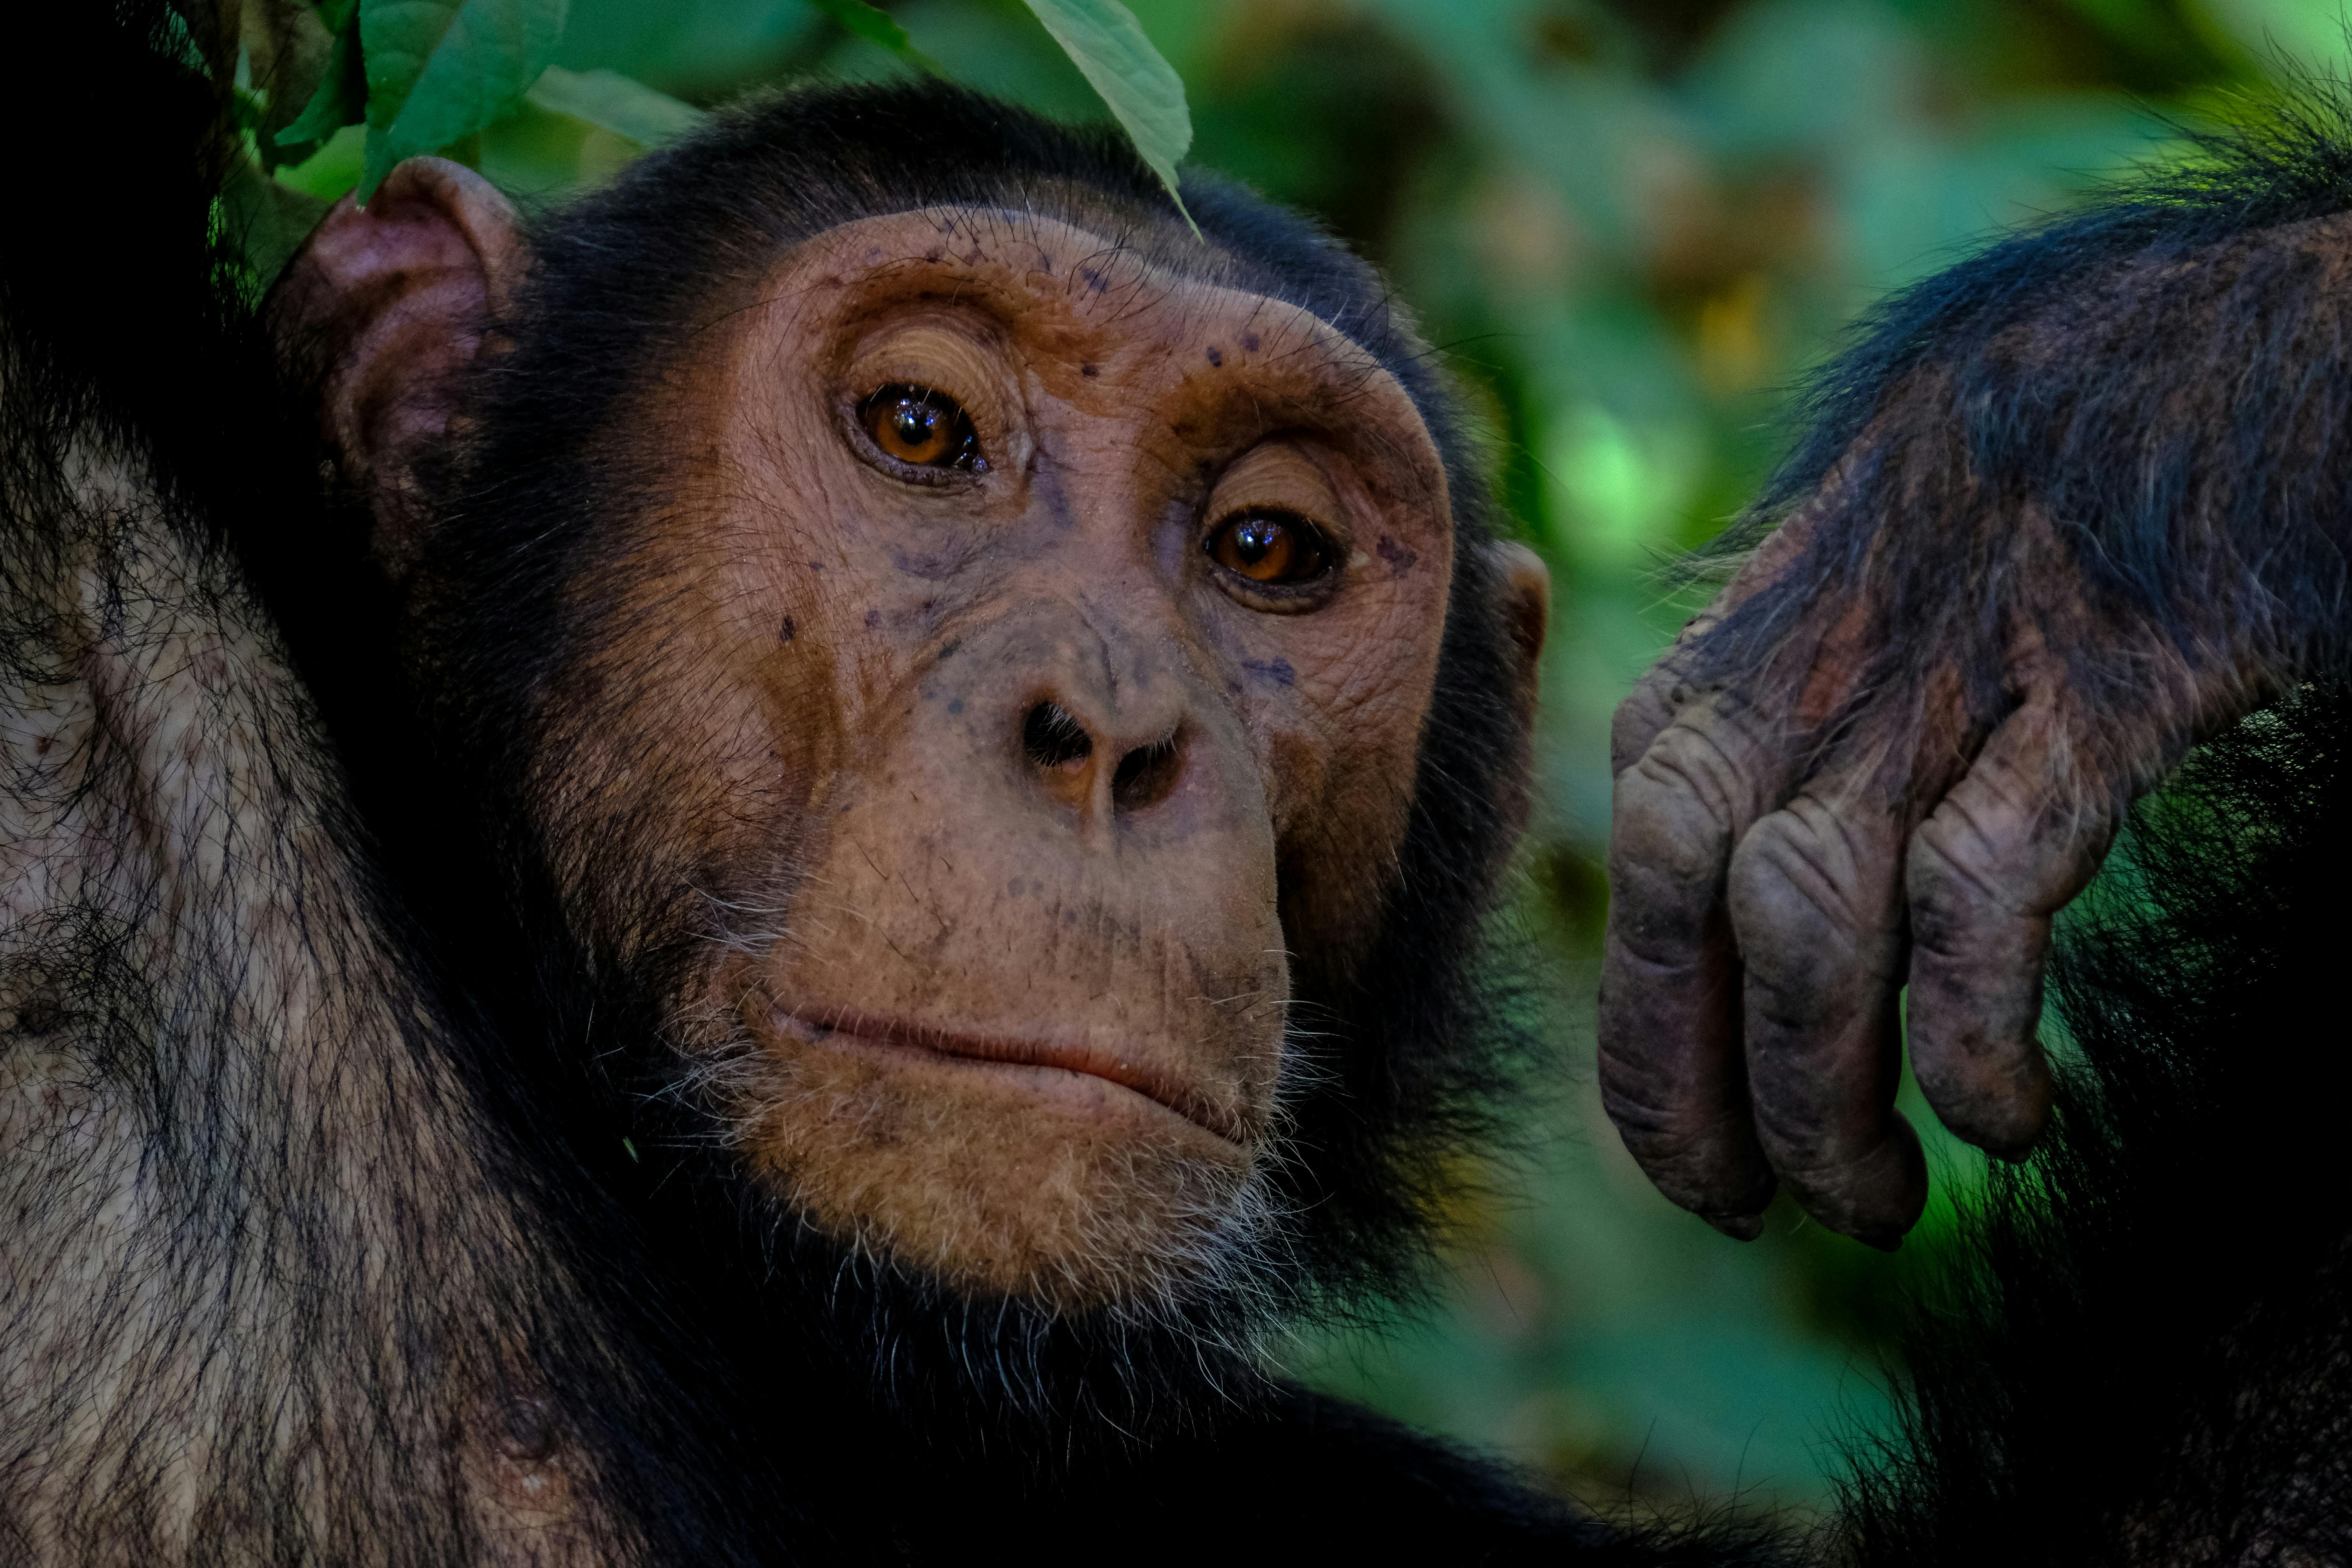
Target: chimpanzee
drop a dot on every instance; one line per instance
(764, 874)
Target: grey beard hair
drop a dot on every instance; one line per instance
(1230, 1245)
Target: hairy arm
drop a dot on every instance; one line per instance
(2065, 510)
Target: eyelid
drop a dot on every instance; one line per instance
(943, 360)
(1275, 476)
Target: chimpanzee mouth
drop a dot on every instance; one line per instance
(847, 1028)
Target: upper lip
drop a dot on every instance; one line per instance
(1145, 1078)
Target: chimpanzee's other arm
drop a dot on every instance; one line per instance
(2064, 509)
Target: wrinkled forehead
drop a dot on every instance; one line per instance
(1063, 291)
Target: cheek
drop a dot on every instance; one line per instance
(1339, 850)
(688, 754)
(1346, 747)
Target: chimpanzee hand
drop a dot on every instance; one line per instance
(2061, 520)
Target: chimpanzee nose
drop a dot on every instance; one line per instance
(1069, 756)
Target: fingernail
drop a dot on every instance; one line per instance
(1738, 1227)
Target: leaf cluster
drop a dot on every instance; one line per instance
(328, 95)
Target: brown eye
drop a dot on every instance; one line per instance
(1279, 548)
(921, 428)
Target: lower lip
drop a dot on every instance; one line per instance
(1073, 1078)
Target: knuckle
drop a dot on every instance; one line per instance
(1650, 1120)
(1671, 816)
(1647, 709)
(1698, 775)
(1655, 961)
(1952, 875)
(1978, 859)
(1664, 1021)
(1657, 933)
(1795, 873)
(1702, 1164)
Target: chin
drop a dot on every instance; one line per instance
(1060, 1176)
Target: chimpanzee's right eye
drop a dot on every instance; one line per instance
(921, 428)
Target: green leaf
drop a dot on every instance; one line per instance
(876, 26)
(267, 221)
(616, 104)
(340, 96)
(284, 50)
(334, 169)
(1106, 44)
(438, 70)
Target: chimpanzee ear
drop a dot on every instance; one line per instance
(384, 304)
(1522, 595)
(1523, 590)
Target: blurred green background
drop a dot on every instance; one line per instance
(1628, 227)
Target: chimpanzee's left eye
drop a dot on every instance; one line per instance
(922, 427)
(1277, 549)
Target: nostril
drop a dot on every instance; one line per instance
(1054, 738)
(1060, 746)
(1145, 775)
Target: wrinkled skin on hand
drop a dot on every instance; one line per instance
(1783, 868)
(2069, 525)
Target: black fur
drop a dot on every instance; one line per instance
(2138, 1354)
(2171, 390)
(737, 1391)
(2147, 1359)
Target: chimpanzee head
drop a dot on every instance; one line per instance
(1005, 709)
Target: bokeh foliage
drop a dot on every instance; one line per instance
(1629, 225)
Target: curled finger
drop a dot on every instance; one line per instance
(1987, 872)
(1814, 893)
(1673, 1077)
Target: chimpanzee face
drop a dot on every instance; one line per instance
(1030, 651)
(973, 672)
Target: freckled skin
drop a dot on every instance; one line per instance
(932, 927)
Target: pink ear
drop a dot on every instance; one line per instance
(385, 303)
